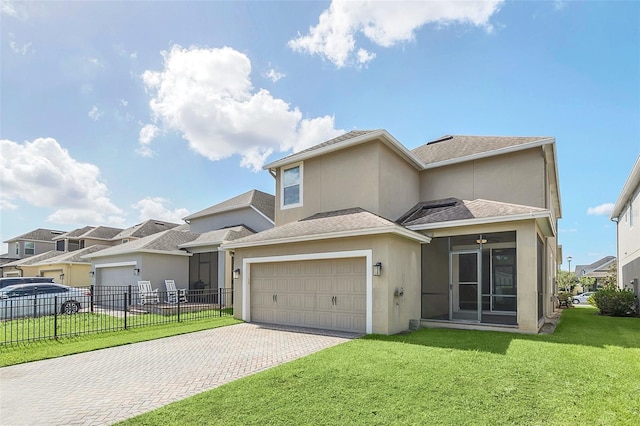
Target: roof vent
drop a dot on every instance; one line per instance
(442, 139)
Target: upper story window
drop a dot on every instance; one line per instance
(17, 249)
(29, 247)
(292, 187)
(60, 245)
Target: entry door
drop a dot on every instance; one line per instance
(464, 285)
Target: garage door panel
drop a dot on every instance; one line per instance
(306, 293)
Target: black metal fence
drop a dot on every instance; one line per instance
(104, 308)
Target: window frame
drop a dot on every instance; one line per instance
(300, 202)
(29, 248)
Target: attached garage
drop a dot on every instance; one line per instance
(328, 294)
(55, 274)
(115, 276)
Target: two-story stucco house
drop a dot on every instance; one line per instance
(369, 235)
(626, 214)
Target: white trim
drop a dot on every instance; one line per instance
(283, 169)
(262, 214)
(408, 233)
(627, 192)
(115, 264)
(485, 220)
(367, 254)
(485, 154)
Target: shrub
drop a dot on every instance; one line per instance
(615, 302)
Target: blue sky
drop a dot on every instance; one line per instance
(116, 112)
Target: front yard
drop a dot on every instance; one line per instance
(588, 372)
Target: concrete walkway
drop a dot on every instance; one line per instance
(105, 386)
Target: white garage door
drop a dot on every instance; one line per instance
(116, 276)
(327, 294)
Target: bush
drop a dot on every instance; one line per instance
(615, 302)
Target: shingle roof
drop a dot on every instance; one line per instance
(263, 202)
(451, 209)
(599, 268)
(458, 146)
(33, 259)
(40, 234)
(95, 232)
(168, 241)
(144, 229)
(340, 221)
(218, 236)
(72, 256)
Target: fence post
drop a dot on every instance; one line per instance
(220, 301)
(178, 296)
(55, 317)
(126, 307)
(130, 295)
(91, 301)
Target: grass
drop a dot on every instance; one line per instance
(588, 372)
(44, 349)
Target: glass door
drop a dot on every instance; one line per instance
(464, 285)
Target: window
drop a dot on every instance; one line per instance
(17, 249)
(292, 186)
(29, 247)
(60, 245)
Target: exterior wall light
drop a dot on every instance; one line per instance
(92, 273)
(236, 273)
(377, 269)
(136, 271)
(61, 277)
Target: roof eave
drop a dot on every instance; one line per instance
(627, 190)
(332, 235)
(543, 218)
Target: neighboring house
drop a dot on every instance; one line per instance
(85, 237)
(372, 237)
(188, 254)
(141, 230)
(598, 269)
(23, 268)
(626, 214)
(236, 217)
(68, 268)
(35, 242)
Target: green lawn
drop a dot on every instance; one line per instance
(587, 373)
(43, 349)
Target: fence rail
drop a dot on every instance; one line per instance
(104, 308)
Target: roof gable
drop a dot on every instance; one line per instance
(40, 234)
(261, 201)
(144, 229)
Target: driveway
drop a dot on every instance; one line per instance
(105, 386)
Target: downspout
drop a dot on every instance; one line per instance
(618, 269)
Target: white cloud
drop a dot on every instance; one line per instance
(43, 174)
(385, 24)
(601, 210)
(559, 5)
(95, 113)
(158, 208)
(95, 62)
(207, 96)
(274, 75)
(21, 50)
(124, 102)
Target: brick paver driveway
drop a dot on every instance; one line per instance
(102, 387)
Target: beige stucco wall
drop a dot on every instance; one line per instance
(400, 258)
(370, 176)
(526, 249)
(517, 178)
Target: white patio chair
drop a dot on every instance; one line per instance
(173, 294)
(146, 294)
